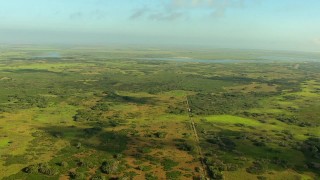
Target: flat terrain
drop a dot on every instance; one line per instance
(107, 113)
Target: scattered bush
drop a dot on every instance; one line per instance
(172, 175)
(31, 169)
(311, 147)
(215, 173)
(150, 176)
(160, 134)
(185, 147)
(97, 177)
(144, 150)
(131, 174)
(110, 166)
(261, 178)
(63, 164)
(256, 168)
(168, 164)
(224, 143)
(45, 169)
(145, 168)
(42, 168)
(77, 175)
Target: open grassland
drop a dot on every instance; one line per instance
(103, 113)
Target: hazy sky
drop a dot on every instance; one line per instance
(262, 24)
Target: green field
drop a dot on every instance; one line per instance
(103, 113)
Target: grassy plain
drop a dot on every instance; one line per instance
(103, 113)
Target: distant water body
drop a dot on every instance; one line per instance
(270, 59)
(262, 59)
(49, 55)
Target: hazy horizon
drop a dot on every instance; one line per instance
(234, 24)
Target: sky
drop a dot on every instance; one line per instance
(239, 24)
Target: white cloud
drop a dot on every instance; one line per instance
(176, 9)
